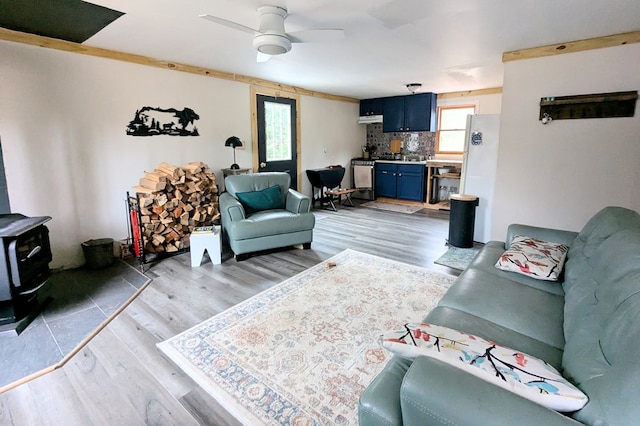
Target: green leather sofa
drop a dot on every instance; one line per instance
(587, 326)
(267, 217)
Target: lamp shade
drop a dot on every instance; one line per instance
(233, 141)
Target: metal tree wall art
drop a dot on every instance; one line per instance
(150, 121)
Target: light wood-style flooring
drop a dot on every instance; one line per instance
(120, 377)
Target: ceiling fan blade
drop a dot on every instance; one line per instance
(229, 24)
(262, 57)
(319, 35)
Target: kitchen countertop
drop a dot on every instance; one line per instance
(432, 162)
(401, 162)
(436, 162)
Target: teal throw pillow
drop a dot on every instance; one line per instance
(267, 199)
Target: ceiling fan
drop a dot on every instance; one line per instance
(270, 38)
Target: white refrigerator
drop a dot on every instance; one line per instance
(480, 161)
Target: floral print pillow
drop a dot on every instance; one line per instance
(510, 369)
(535, 258)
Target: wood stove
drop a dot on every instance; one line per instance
(24, 268)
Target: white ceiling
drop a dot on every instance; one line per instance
(445, 45)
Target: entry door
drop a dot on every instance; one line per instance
(277, 136)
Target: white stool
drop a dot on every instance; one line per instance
(205, 238)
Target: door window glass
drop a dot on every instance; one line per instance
(277, 119)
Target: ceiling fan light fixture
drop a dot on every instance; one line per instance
(414, 87)
(272, 44)
(270, 38)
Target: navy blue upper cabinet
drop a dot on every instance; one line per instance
(411, 113)
(393, 114)
(370, 107)
(420, 112)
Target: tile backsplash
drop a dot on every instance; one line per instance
(418, 143)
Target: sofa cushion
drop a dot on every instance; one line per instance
(526, 310)
(608, 287)
(602, 313)
(489, 255)
(560, 236)
(453, 318)
(436, 393)
(270, 222)
(602, 320)
(605, 365)
(602, 225)
(265, 199)
(505, 367)
(538, 259)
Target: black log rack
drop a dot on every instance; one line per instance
(136, 235)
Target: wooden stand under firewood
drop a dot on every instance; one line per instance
(170, 201)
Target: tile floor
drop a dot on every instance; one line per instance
(82, 300)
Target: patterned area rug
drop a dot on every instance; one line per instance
(393, 207)
(302, 352)
(458, 258)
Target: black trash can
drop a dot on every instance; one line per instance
(462, 220)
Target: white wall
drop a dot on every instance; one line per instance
(329, 136)
(62, 127)
(558, 175)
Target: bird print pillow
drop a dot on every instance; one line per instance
(510, 369)
(535, 258)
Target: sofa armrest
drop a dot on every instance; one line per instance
(545, 234)
(297, 203)
(231, 209)
(436, 393)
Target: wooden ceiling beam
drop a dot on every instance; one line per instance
(467, 93)
(67, 46)
(573, 46)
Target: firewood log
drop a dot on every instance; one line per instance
(173, 200)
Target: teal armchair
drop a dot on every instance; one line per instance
(260, 212)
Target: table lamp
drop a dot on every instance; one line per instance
(234, 142)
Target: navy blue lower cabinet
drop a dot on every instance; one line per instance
(386, 180)
(401, 181)
(410, 182)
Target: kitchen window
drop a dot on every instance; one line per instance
(452, 124)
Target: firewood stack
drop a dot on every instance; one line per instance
(174, 200)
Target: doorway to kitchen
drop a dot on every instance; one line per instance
(276, 135)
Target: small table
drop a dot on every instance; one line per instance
(339, 192)
(229, 172)
(323, 180)
(205, 238)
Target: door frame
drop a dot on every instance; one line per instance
(261, 90)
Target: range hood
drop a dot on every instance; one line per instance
(370, 119)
